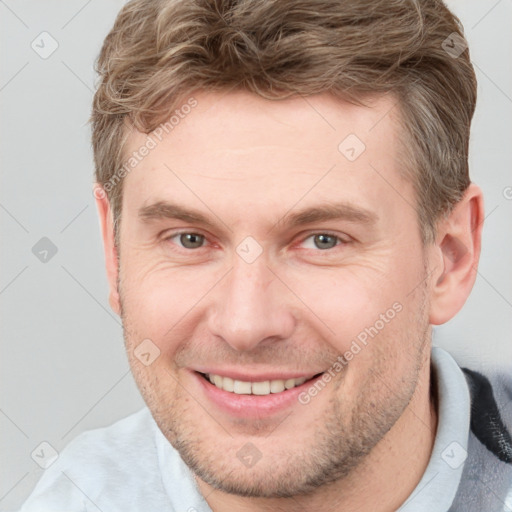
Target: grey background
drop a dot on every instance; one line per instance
(63, 368)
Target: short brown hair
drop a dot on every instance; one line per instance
(159, 51)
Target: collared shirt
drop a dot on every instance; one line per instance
(131, 467)
(438, 486)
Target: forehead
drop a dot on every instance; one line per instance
(246, 150)
(256, 121)
(322, 119)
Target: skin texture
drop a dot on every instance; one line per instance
(364, 441)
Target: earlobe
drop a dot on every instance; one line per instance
(109, 246)
(458, 244)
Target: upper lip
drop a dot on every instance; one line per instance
(237, 374)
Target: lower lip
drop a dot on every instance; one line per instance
(252, 406)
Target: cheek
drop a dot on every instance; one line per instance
(352, 303)
(373, 311)
(156, 300)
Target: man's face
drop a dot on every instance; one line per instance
(258, 294)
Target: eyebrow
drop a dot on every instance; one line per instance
(335, 211)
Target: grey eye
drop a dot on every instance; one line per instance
(191, 240)
(321, 241)
(325, 241)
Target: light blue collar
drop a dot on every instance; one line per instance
(437, 489)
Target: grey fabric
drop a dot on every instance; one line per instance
(487, 478)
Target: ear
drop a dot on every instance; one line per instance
(110, 249)
(457, 248)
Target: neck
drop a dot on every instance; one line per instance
(382, 483)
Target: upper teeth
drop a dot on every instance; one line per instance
(265, 387)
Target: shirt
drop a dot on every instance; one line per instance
(131, 467)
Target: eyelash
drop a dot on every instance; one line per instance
(328, 233)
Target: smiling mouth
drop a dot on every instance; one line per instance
(261, 388)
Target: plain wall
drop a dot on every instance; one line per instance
(63, 367)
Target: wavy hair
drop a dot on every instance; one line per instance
(159, 51)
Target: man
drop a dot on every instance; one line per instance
(286, 211)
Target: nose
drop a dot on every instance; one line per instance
(251, 307)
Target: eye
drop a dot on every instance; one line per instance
(322, 241)
(188, 240)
